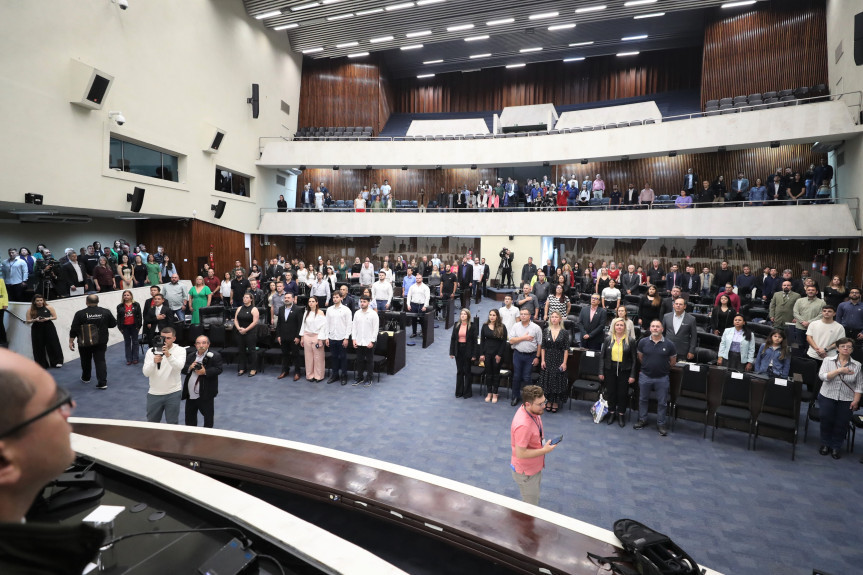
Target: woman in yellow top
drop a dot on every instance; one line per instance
(619, 353)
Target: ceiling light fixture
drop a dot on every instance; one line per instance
(326, 2)
(459, 27)
(561, 27)
(576, 59)
(580, 44)
(348, 45)
(543, 15)
(358, 55)
(418, 34)
(304, 6)
(427, 2)
(474, 56)
(475, 38)
(590, 9)
(412, 47)
(526, 50)
(499, 22)
(426, 76)
(339, 17)
(382, 39)
(312, 50)
(737, 4)
(427, 62)
(627, 53)
(285, 27)
(654, 15)
(372, 11)
(522, 65)
(268, 14)
(399, 6)
(639, 37)
(638, 3)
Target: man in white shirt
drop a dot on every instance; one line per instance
(418, 299)
(526, 340)
(367, 273)
(508, 313)
(382, 292)
(477, 279)
(365, 335)
(822, 334)
(339, 326)
(385, 191)
(320, 289)
(163, 368)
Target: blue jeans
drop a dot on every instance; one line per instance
(168, 404)
(130, 341)
(180, 314)
(647, 384)
(835, 416)
(522, 365)
(339, 357)
(382, 304)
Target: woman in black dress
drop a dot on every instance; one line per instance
(835, 293)
(619, 355)
(723, 316)
(649, 308)
(245, 322)
(555, 352)
(139, 272)
(462, 348)
(492, 347)
(43, 335)
(719, 190)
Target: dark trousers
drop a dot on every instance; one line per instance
(660, 385)
(594, 343)
(462, 372)
(365, 363)
(248, 356)
(95, 353)
(16, 292)
(800, 338)
(205, 406)
(506, 278)
(492, 374)
(522, 365)
(416, 308)
(291, 354)
(478, 293)
(835, 416)
(3, 340)
(465, 297)
(46, 345)
(339, 357)
(616, 389)
(130, 341)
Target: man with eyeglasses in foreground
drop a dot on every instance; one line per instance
(34, 449)
(528, 444)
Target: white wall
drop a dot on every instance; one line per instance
(179, 67)
(521, 246)
(60, 237)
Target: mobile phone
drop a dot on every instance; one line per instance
(557, 440)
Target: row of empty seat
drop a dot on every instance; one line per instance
(766, 100)
(335, 133)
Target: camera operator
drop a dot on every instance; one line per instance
(46, 274)
(201, 386)
(505, 268)
(163, 366)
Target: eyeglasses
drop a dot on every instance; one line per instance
(541, 403)
(64, 403)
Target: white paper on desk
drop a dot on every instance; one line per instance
(736, 375)
(694, 367)
(104, 514)
(780, 381)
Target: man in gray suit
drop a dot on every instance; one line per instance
(680, 329)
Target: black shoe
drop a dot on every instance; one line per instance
(824, 450)
(333, 379)
(621, 420)
(514, 401)
(640, 424)
(345, 380)
(105, 386)
(663, 431)
(835, 454)
(367, 383)
(611, 417)
(413, 335)
(85, 380)
(357, 382)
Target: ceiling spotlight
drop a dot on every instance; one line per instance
(672, 154)
(438, 167)
(404, 168)
(584, 161)
(117, 117)
(335, 168)
(473, 166)
(368, 167)
(123, 4)
(302, 168)
(774, 144)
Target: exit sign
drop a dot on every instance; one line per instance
(842, 250)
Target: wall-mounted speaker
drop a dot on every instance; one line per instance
(137, 199)
(218, 209)
(255, 101)
(213, 138)
(858, 39)
(88, 86)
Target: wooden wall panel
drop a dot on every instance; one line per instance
(591, 80)
(774, 46)
(191, 240)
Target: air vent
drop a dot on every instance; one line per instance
(281, 181)
(56, 219)
(286, 108)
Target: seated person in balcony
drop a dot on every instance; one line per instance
(758, 193)
(705, 195)
(377, 205)
(598, 187)
(718, 189)
(739, 188)
(647, 195)
(610, 296)
(824, 192)
(684, 200)
(773, 359)
(775, 191)
(796, 189)
(615, 196)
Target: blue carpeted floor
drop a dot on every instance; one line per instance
(736, 511)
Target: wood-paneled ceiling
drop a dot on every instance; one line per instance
(440, 29)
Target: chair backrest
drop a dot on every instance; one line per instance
(705, 356)
(736, 389)
(709, 340)
(807, 369)
(590, 364)
(216, 333)
(694, 383)
(781, 398)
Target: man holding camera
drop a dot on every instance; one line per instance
(163, 365)
(506, 257)
(201, 386)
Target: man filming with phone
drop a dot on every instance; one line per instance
(528, 444)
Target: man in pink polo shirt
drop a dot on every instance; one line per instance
(528, 450)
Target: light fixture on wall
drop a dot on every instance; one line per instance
(438, 167)
(335, 168)
(721, 149)
(368, 167)
(584, 161)
(473, 166)
(123, 4)
(774, 144)
(218, 209)
(546, 164)
(404, 168)
(672, 154)
(624, 158)
(35, 199)
(303, 168)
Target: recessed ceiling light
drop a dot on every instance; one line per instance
(525, 50)
(312, 50)
(638, 2)
(581, 44)
(561, 27)
(590, 9)
(459, 27)
(736, 4)
(475, 38)
(543, 15)
(268, 14)
(654, 15)
(426, 76)
(304, 6)
(285, 27)
(480, 55)
(639, 37)
(382, 39)
(372, 11)
(515, 65)
(399, 6)
(348, 44)
(339, 17)
(427, 2)
(358, 55)
(627, 53)
(499, 22)
(576, 59)
(418, 34)
(412, 47)
(330, 1)
(427, 62)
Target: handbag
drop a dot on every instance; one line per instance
(599, 409)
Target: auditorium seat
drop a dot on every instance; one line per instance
(767, 95)
(783, 93)
(636, 123)
(738, 100)
(752, 97)
(711, 104)
(788, 100)
(726, 101)
(727, 109)
(650, 121)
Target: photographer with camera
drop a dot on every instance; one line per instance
(163, 365)
(505, 268)
(201, 386)
(46, 278)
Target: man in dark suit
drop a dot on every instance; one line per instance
(674, 277)
(73, 274)
(548, 269)
(680, 330)
(158, 316)
(528, 270)
(592, 321)
(288, 332)
(629, 281)
(465, 282)
(485, 273)
(691, 284)
(630, 196)
(201, 386)
(690, 181)
(274, 270)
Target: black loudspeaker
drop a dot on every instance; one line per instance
(89, 85)
(254, 101)
(35, 199)
(137, 199)
(217, 141)
(858, 39)
(219, 209)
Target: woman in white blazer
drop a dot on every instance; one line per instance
(737, 348)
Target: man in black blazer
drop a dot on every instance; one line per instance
(288, 332)
(691, 284)
(73, 274)
(592, 321)
(201, 385)
(465, 282)
(630, 195)
(548, 269)
(684, 338)
(158, 316)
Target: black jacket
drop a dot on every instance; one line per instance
(465, 275)
(471, 340)
(696, 283)
(592, 328)
(69, 278)
(136, 313)
(289, 329)
(209, 383)
(630, 356)
(93, 315)
(157, 324)
(490, 345)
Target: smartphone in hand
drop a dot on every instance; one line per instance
(557, 440)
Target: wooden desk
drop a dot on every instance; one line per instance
(396, 343)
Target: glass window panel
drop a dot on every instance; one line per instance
(170, 167)
(115, 158)
(142, 161)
